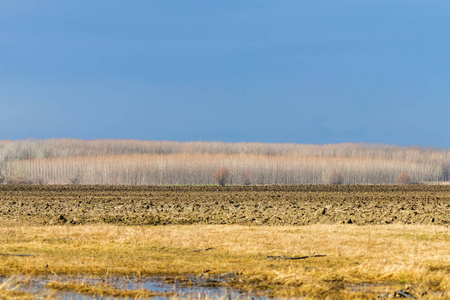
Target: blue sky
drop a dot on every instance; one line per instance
(295, 71)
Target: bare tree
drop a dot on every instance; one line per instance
(446, 171)
(221, 175)
(60, 161)
(246, 177)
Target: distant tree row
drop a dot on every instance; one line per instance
(29, 149)
(198, 169)
(159, 162)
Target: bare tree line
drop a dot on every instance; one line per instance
(63, 161)
(24, 149)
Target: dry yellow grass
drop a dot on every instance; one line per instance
(397, 255)
(9, 289)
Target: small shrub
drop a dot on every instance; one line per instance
(40, 181)
(74, 180)
(246, 178)
(74, 177)
(336, 178)
(403, 178)
(18, 181)
(221, 176)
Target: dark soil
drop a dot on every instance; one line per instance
(251, 205)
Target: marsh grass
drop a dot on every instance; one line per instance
(104, 290)
(17, 295)
(390, 255)
(10, 289)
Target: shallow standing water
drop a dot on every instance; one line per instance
(37, 285)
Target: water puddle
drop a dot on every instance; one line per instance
(116, 287)
(180, 289)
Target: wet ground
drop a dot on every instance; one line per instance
(186, 288)
(182, 289)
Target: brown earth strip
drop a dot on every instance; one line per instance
(251, 205)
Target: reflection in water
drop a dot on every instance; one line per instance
(36, 285)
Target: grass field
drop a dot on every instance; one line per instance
(344, 261)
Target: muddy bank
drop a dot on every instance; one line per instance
(253, 205)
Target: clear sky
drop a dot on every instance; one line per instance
(317, 71)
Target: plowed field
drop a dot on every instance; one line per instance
(251, 205)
